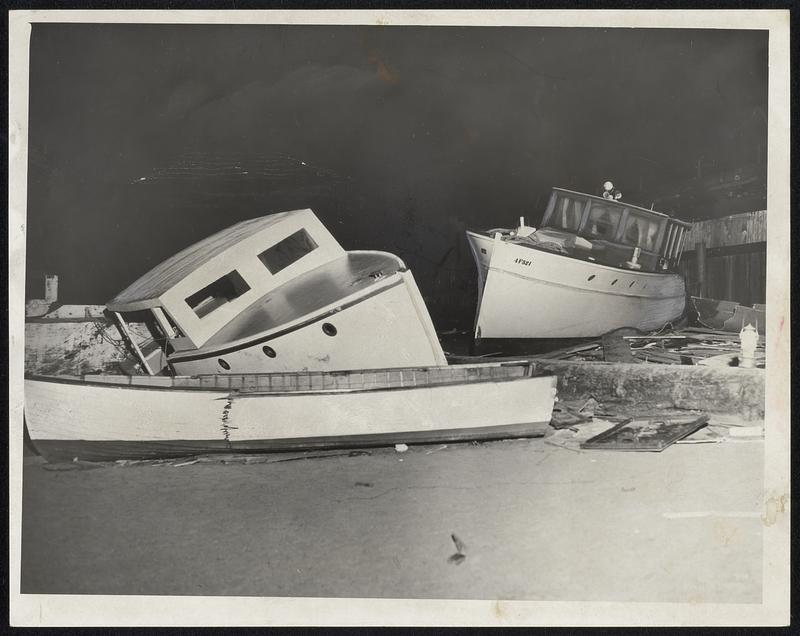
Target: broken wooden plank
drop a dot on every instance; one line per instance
(616, 349)
(567, 351)
(648, 434)
(665, 337)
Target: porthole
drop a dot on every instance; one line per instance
(590, 277)
(268, 351)
(329, 329)
(224, 364)
(614, 282)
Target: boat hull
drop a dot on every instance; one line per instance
(530, 293)
(96, 421)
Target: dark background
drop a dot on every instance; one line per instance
(146, 138)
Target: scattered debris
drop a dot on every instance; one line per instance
(728, 315)
(568, 414)
(616, 348)
(458, 543)
(459, 555)
(690, 345)
(564, 418)
(705, 435)
(571, 438)
(722, 360)
(401, 448)
(189, 463)
(651, 434)
(434, 450)
(589, 406)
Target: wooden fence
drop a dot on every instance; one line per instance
(726, 258)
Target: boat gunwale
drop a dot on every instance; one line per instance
(237, 393)
(529, 368)
(670, 272)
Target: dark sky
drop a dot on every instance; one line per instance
(146, 138)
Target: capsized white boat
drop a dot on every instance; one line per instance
(594, 265)
(277, 293)
(99, 418)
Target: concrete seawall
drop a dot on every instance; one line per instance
(709, 389)
(75, 347)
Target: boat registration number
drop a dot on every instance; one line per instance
(522, 261)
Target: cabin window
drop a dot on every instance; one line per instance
(603, 221)
(641, 231)
(288, 251)
(567, 213)
(221, 291)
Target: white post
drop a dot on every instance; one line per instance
(51, 288)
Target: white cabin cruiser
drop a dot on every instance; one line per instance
(595, 265)
(277, 293)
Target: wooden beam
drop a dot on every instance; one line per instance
(701, 268)
(127, 335)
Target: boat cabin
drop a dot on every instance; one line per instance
(613, 232)
(272, 294)
(191, 296)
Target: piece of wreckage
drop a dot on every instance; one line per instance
(595, 265)
(270, 336)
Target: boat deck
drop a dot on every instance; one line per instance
(306, 294)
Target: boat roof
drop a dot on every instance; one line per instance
(147, 289)
(624, 204)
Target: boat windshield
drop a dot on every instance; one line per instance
(567, 212)
(603, 221)
(614, 231)
(641, 231)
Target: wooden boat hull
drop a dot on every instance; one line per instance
(100, 418)
(530, 293)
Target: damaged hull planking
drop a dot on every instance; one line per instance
(105, 418)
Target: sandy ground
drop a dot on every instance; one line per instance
(537, 522)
